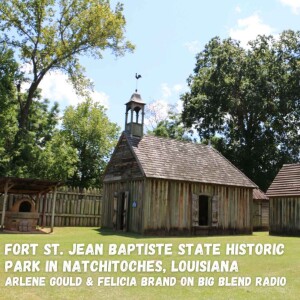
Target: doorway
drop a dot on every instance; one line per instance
(121, 212)
(203, 210)
(120, 217)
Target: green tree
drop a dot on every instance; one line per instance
(42, 152)
(8, 116)
(90, 132)
(56, 160)
(246, 101)
(172, 127)
(50, 35)
(41, 126)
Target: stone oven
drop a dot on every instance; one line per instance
(22, 216)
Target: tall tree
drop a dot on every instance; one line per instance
(247, 102)
(22, 159)
(89, 131)
(8, 116)
(50, 35)
(43, 151)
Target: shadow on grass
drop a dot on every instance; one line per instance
(37, 231)
(107, 232)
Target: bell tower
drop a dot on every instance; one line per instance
(134, 116)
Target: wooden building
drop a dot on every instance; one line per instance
(22, 215)
(155, 185)
(260, 210)
(284, 194)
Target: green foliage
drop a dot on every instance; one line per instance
(249, 100)
(89, 131)
(171, 127)
(77, 153)
(50, 35)
(57, 160)
(8, 117)
(41, 153)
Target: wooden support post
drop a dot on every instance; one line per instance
(37, 206)
(44, 212)
(4, 205)
(53, 208)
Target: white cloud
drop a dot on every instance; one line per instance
(178, 88)
(194, 46)
(238, 9)
(248, 29)
(56, 87)
(166, 90)
(293, 4)
(170, 91)
(179, 106)
(100, 97)
(157, 111)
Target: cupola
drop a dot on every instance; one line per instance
(134, 123)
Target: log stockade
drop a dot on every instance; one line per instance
(73, 207)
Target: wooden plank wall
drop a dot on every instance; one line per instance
(285, 216)
(260, 214)
(168, 206)
(122, 165)
(73, 208)
(112, 189)
(265, 214)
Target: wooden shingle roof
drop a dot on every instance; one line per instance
(287, 182)
(27, 185)
(171, 159)
(259, 195)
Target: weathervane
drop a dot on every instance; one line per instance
(137, 78)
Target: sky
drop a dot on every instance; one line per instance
(167, 35)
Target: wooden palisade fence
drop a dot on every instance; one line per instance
(73, 207)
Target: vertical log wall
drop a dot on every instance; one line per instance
(260, 215)
(168, 207)
(285, 216)
(135, 204)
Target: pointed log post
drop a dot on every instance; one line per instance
(4, 204)
(53, 208)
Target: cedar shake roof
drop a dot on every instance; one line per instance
(287, 182)
(27, 185)
(259, 195)
(171, 159)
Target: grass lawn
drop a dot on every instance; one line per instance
(286, 265)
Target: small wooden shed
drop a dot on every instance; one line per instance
(284, 195)
(155, 185)
(260, 210)
(22, 215)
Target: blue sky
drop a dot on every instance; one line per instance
(167, 35)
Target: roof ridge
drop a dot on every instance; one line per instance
(175, 140)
